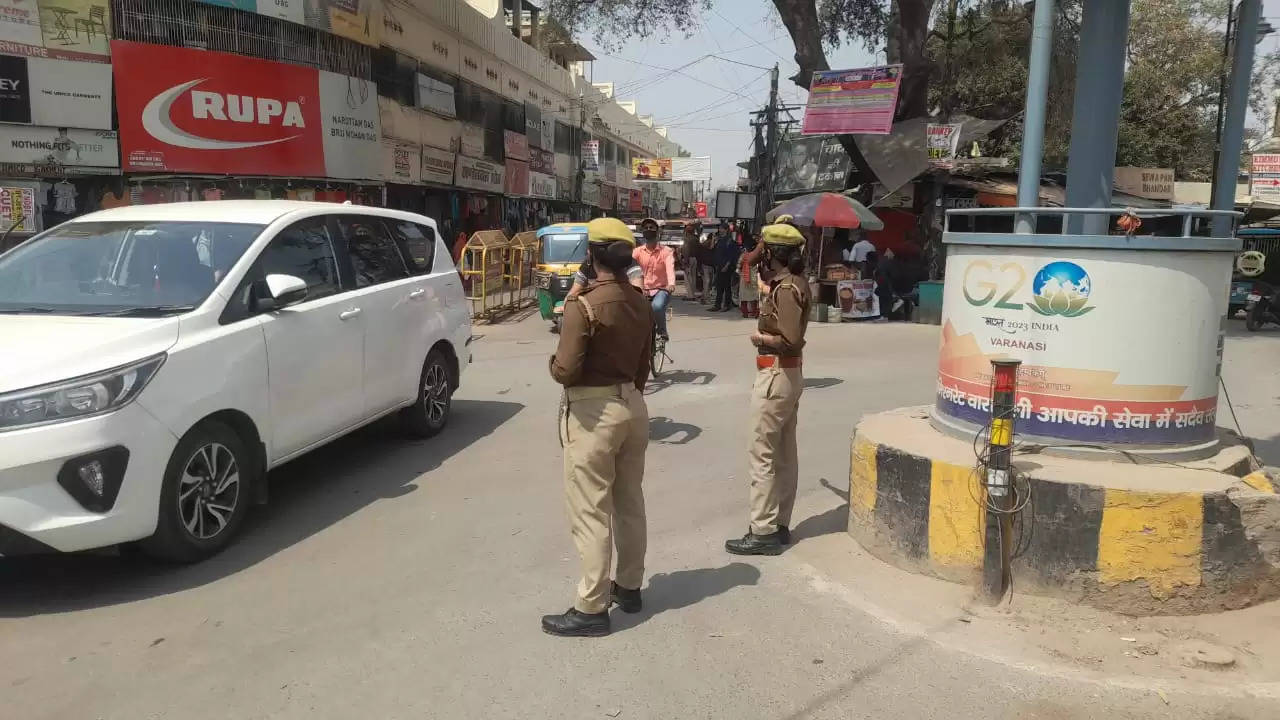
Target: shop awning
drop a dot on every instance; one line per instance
(901, 156)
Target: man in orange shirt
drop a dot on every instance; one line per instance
(659, 266)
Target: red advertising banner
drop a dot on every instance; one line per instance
(185, 110)
(700, 209)
(517, 178)
(515, 145)
(635, 202)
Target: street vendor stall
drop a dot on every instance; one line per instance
(819, 212)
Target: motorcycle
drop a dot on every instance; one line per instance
(1261, 308)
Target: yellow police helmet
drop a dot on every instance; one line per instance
(785, 219)
(782, 234)
(606, 230)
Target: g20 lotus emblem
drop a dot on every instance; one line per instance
(1061, 288)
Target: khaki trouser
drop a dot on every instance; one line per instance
(605, 432)
(775, 403)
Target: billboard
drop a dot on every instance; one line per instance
(58, 147)
(480, 175)
(810, 164)
(942, 141)
(184, 110)
(697, 169)
(39, 91)
(651, 169)
(860, 101)
(65, 29)
(359, 20)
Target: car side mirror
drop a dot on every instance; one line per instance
(279, 291)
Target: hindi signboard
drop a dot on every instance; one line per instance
(859, 101)
(942, 142)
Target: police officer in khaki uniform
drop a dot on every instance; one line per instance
(603, 362)
(775, 399)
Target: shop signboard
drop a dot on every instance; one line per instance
(858, 101)
(40, 91)
(608, 196)
(437, 165)
(18, 204)
(517, 178)
(1264, 177)
(401, 162)
(1067, 314)
(533, 125)
(635, 200)
(700, 209)
(548, 141)
(564, 188)
(591, 194)
(811, 164)
(477, 174)
(591, 155)
(58, 147)
(65, 29)
(359, 20)
(542, 161)
(515, 145)
(472, 140)
(651, 169)
(542, 185)
(694, 169)
(942, 142)
(1150, 183)
(184, 110)
(435, 96)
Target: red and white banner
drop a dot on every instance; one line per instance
(184, 110)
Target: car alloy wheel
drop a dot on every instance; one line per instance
(435, 394)
(208, 490)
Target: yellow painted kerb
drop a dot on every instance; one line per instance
(955, 518)
(1260, 482)
(862, 478)
(1154, 537)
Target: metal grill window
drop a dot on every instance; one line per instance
(183, 23)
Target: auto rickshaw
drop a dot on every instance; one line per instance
(562, 248)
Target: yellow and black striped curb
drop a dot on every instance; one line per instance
(1131, 551)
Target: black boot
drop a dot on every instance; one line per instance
(751, 544)
(784, 534)
(576, 624)
(628, 601)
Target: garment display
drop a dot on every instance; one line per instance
(211, 194)
(306, 195)
(112, 200)
(153, 196)
(64, 198)
(262, 194)
(180, 193)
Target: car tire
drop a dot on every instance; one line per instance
(429, 414)
(207, 490)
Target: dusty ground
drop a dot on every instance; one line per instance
(392, 579)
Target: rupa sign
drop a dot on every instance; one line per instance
(184, 110)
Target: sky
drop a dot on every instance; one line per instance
(706, 104)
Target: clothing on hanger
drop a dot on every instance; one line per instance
(211, 194)
(64, 198)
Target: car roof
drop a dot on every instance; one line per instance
(251, 212)
(571, 227)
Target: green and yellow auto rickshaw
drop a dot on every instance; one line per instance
(562, 248)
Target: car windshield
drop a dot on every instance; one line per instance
(564, 247)
(121, 268)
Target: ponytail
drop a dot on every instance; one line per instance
(790, 256)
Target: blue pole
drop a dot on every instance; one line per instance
(1033, 118)
(1224, 194)
(1095, 122)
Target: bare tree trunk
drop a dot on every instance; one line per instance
(892, 48)
(801, 20)
(912, 32)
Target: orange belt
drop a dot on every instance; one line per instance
(768, 361)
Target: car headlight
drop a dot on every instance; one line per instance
(79, 397)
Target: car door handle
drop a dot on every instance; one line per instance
(348, 314)
(417, 294)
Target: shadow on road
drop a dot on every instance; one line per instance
(821, 383)
(832, 521)
(306, 496)
(663, 429)
(680, 589)
(678, 377)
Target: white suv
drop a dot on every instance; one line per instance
(156, 361)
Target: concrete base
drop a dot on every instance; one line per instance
(1141, 539)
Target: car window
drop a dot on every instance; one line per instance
(305, 250)
(417, 241)
(374, 257)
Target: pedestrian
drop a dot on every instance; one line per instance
(658, 264)
(775, 397)
(602, 360)
(725, 258)
(707, 267)
(863, 250)
(689, 258)
(749, 279)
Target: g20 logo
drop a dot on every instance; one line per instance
(1060, 288)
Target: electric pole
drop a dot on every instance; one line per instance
(765, 201)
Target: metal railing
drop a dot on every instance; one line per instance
(1188, 216)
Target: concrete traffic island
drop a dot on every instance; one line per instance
(1145, 537)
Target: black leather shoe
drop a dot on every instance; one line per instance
(576, 624)
(751, 544)
(628, 601)
(784, 534)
